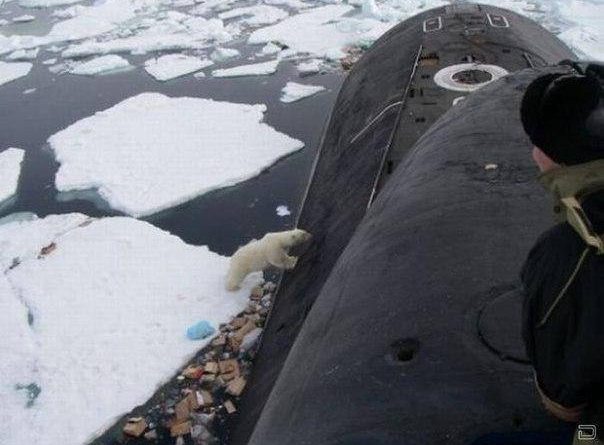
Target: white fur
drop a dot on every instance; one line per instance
(271, 250)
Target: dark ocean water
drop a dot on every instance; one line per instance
(223, 219)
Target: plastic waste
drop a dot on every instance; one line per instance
(200, 330)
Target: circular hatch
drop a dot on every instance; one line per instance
(468, 77)
(500, 326)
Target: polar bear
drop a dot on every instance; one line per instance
(257, 255)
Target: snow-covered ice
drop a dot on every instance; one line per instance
(172, 66)
(321, 31)
(24, 18)
(10, 170)
(143, 157)
(23, 54)
(222, 54)
(255, 69)
(46, 3)
(169, 33)
(312, 66)
(269, 48)
(293, 91)
(295, 4)
(100, 65)
(13, 71)
(255, 15)
(283, 210)
(92, 327)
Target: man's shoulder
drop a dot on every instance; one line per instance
(560, 238)
(552, 254)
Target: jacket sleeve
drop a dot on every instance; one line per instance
(567, 351)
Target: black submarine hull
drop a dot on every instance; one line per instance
(377, 336)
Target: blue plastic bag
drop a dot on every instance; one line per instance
(200, 330)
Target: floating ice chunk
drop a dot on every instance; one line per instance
(255, 69)
(370, 9)
(29, 91)
(51, 61)
(283, 211)
(296, 91)
(10, 170)
(312, 66)
(321, 31)
(172, 66)
(95, 319)
(256, 15)
(168, 34)
(100, 65)
(12, 71)
(69, 13)
(45, 3)
(24, 18)
(222, 54)
(270, 48)
(23, 54)
(143, 156)
(4, 22)
(295, 4)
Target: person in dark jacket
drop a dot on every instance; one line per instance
(563, 277)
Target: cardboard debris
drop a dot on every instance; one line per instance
(182, 410)
(236, 323)
(219, 341)
(235, 388)
(230, 407)
(192, 401)
(135, 426)
(211, 368)
(229, 369)
(180, 429)
(193, 372)
(204, 398)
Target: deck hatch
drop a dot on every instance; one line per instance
(498, 21)
(433, 24)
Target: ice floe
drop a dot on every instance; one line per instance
(312, 66)
(295, 4)
(12, 71)
(24, 18)
(23, 54)
(269, 49)
(142, 155)
(321, 31)
(10, 170)
(293, 91)
(100, 65)
(283, 210)
(222, 54)
(94, 314)
(254, 69)
(46, 3)
(188, 32)
(255, 15)
(172, 66)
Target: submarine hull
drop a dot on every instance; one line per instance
(412, 238)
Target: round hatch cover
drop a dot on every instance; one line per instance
(500, 326)
(468, 77)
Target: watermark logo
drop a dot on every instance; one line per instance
(587, 432)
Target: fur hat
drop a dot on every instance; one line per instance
(563, 114)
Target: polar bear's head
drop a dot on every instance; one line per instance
(297, 236)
